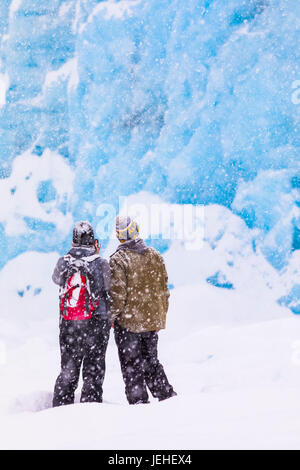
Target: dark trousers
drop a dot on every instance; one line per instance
(140, 366)
(82, 342)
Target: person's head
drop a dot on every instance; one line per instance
(83, 234)
(126, 228)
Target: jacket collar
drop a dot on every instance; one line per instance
(137, 245)
(77, 251)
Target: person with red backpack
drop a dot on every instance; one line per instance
(84, 281)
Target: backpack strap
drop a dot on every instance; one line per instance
(69, 258)
(90, 258)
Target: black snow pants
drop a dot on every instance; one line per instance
(82, 342)
(140, 366)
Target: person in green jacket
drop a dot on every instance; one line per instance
(139, 303)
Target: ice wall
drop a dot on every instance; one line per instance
(197, 101)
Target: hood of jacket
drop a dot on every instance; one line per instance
(81, 251)
(137, 245)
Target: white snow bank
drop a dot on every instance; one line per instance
(236, 372)
(238, 388)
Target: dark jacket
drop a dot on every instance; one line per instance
(139, 287)
(100, 271)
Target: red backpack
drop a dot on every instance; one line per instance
(77, 299)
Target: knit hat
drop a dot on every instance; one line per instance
(126, 228)
(83, 234)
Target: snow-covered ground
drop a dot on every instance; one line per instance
(232, 356)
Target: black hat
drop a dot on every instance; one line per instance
(83, 234)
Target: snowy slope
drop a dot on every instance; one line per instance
(233, 358)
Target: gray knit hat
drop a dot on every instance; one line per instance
(126, 228)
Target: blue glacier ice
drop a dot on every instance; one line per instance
(195, 101)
